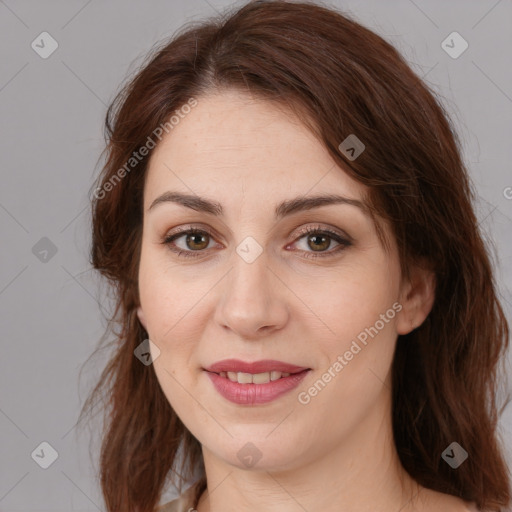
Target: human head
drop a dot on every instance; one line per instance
(340, 79)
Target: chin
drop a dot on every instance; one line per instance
(255, 450)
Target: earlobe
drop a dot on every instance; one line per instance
(417, 299)
(140, 315)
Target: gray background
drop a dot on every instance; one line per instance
(52, 113)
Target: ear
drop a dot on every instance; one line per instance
(140, 315)
(417, 296)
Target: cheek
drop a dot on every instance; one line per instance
(171, 311)
(349, 299)
(167, 300)
(357, 311)
(351, 385)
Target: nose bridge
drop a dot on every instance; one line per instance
(250, 298)
(248, 283)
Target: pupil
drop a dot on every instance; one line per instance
(314, 238)
(321, 237)
(194, 236)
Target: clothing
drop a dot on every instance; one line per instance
(187, 501)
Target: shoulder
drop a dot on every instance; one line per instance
(455, 505)
(171, 506)
(429, 499)
(470, 507)
(460, 505)
(185, 502)
(180, 504)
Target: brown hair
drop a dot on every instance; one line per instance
(343, 79)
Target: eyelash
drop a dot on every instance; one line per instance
(311, 229)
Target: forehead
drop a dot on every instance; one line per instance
(232, 145)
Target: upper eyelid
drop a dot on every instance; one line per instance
(302, 232)
(299, 231)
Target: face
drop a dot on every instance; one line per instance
(252, 285)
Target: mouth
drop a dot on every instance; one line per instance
(256, 372)
(256, 378)
(255, 383)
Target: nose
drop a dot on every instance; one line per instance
(253, 299)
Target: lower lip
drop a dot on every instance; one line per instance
(249, 394)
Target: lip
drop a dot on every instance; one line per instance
(251, 394)
(266, 365)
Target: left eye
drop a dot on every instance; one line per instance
(199, 239)
(319, 240)
(193, 236)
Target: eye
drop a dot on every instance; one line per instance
(319, 239)
(197, 240)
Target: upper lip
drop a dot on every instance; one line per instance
(266, 365)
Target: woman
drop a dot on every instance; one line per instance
(309, 318)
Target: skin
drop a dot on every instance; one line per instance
(336, 452)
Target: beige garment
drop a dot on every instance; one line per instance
(186, 502)
(189, 500)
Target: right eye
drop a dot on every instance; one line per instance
(192, 236)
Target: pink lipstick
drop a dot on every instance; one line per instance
(258, 382)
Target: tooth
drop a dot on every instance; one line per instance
(244, 378)
(249, 378)
(261, 378)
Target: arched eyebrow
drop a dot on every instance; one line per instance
(283, 209)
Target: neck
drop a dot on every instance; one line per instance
(361, 474)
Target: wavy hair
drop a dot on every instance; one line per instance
(342, 79)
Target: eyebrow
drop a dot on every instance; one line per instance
(287, 207)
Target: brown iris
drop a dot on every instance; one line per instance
(198, 238)
(325, 241)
